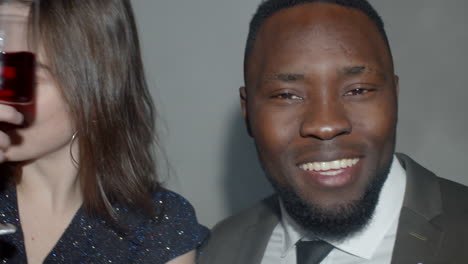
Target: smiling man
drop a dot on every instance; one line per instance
(320, 101)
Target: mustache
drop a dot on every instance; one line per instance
(329, 150)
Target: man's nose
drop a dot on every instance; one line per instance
(325, 121)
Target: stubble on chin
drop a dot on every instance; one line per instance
(335, 222)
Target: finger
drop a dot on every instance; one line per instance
(9, 114)
(5, 141)
(2, 156)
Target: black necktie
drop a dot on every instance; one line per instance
(312, 252)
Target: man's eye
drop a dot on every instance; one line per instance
(288, 96)
(357, 91)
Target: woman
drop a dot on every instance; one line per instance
(79, 177)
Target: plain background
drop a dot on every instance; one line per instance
(193, 56)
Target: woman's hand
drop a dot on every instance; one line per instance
(9, 115)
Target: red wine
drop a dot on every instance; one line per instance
(17, 77)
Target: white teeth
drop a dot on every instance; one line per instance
(331, 173)
(316, 166)
(336, 164)
(343, 163)
(325, 165)
(329, 165)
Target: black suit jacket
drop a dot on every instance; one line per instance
(433, 225)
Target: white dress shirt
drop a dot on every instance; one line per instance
(373, 245)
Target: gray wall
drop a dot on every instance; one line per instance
(193, 56)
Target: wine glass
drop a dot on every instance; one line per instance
(17, 52)
(18, 33)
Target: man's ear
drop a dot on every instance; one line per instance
(396, 81)
(243, 101)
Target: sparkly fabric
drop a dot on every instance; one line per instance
(90, 240)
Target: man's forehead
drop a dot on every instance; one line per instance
(321, 28)
(320, 19)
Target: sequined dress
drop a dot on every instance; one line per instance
(90, 240)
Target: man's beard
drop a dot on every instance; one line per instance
(339, 222)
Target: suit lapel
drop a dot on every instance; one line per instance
(257, 235)
(418, 239)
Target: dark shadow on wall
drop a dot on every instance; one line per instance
(243, 180)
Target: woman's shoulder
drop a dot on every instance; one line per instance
(173, 208)
(170, 199)
(174, 228)
(171, 205)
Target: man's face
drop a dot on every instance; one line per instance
(321, 104)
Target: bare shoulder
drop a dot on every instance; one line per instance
(187, 258)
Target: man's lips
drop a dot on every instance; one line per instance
(331, 174)
(326, 166)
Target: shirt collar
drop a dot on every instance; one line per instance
(362, 244)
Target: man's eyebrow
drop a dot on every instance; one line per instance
(352, 70)
(361, 69)
(289, 77)
(285, 77)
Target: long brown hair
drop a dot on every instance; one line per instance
(93, 50)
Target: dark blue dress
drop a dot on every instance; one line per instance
(154, 240)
